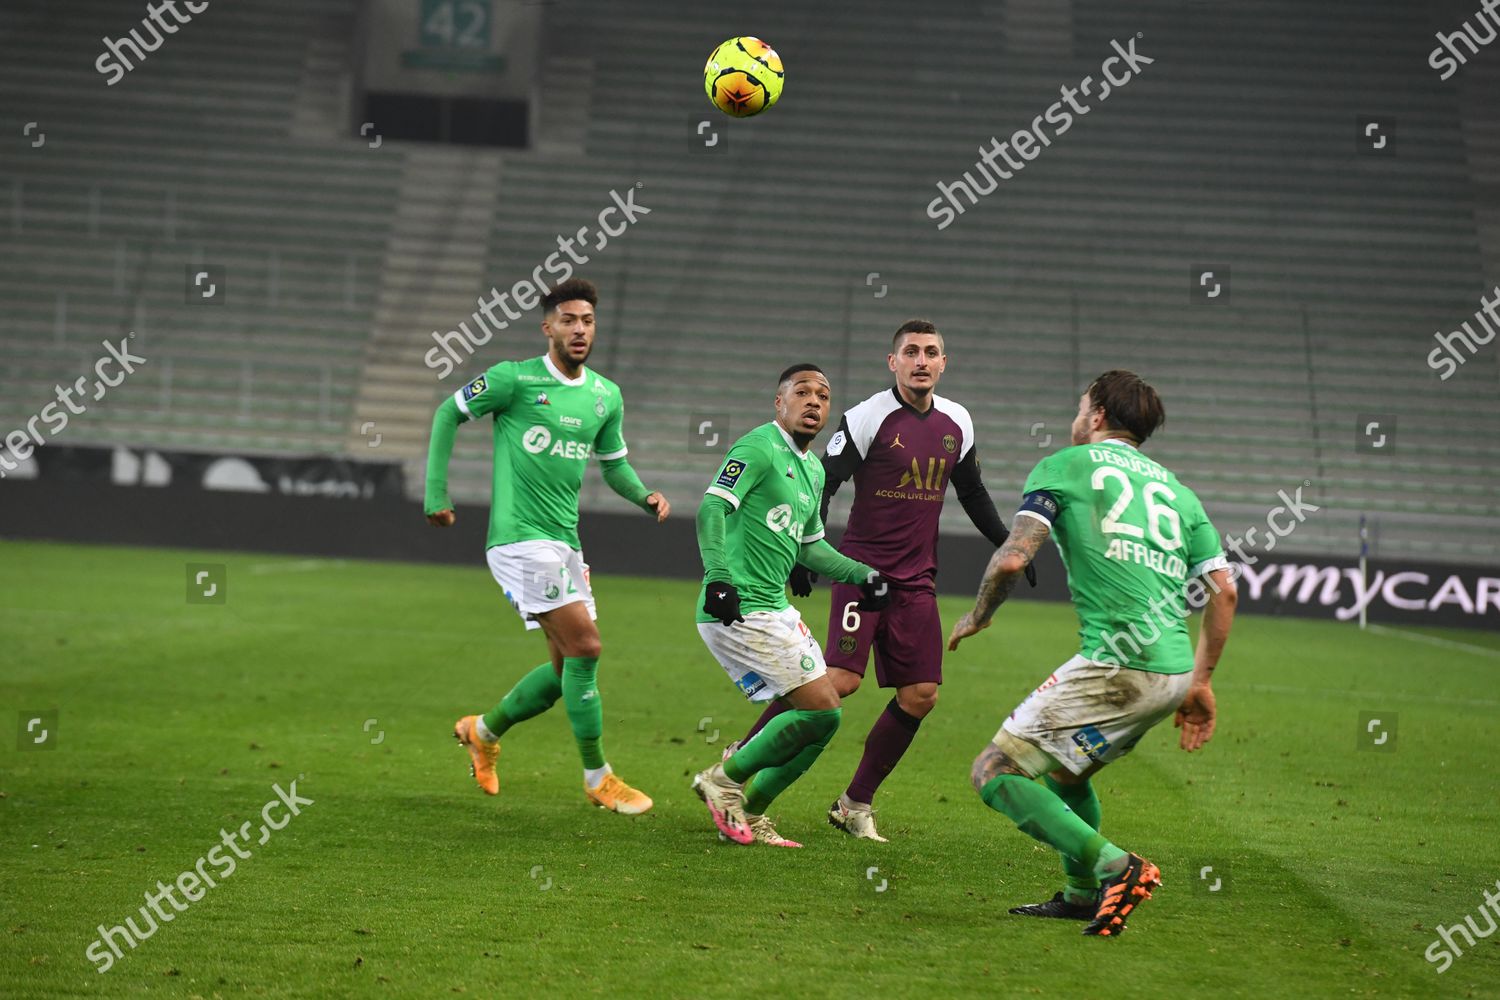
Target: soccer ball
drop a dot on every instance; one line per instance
(743, 77)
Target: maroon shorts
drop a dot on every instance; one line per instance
(907, 636)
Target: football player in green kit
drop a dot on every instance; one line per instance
(759, 518)
(1141, 554)
(550, 414)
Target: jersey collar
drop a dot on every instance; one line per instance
(792, 442)
(583, 374)
(920, 415)
(1117, 441)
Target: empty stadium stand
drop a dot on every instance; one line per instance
(802, 235)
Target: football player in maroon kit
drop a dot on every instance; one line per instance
(902, 447)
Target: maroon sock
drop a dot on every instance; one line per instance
(772, 710)
(888, 740)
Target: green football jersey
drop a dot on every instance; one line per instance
(775, 492)
(1131, 537)
(546, 427)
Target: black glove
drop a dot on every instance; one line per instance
(1031, 574)
(722, 602)
(874, 593)
(802, 580)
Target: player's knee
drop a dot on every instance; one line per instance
(989, 765)
(918, 699)
(845, 682)
(588, 647)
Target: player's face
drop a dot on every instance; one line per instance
(570, 329)
(1088, 420)
(918, 362)
(803, 404)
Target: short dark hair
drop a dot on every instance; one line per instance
(1129, 404)
(798, 369)
(569, 291)
(916, 326)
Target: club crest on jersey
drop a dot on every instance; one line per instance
(542, 400)
(474, 388)
(950, 443)
(731, 474)
(599, 406)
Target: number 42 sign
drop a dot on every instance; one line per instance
(455, 24)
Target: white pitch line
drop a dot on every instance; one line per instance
(301, 566)
(1433, 640)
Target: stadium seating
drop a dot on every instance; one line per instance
(801, 235)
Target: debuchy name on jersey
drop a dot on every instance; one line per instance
(1132, 537)
(546, 428)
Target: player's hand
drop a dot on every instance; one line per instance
(963, 628)
(722, 602)
(1195, 717)
(442, 519)
(1031, 574)
(875, 592)
(801, 581)
(659, 504)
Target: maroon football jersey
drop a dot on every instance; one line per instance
(901, 462)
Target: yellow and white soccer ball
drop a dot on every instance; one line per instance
(743, 77)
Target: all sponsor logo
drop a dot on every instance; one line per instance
(936, 467)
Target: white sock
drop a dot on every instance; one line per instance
(593, 775)
(851, 805)
(483, 731)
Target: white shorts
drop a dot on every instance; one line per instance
(768, 654)
(1088, 712)
(540, 576)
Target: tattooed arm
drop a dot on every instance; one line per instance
(1006, 566)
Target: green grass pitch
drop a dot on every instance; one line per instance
(401, 879)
